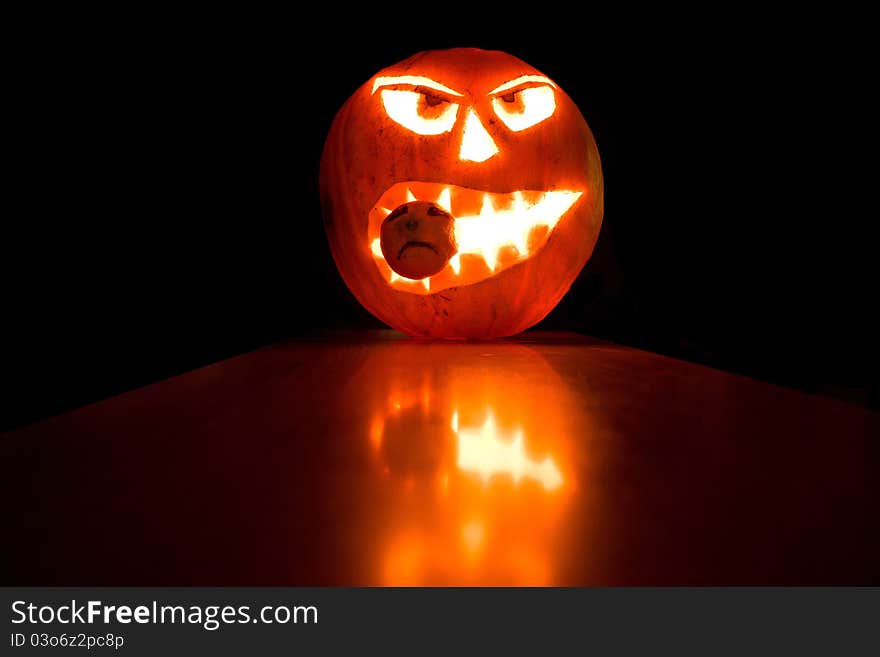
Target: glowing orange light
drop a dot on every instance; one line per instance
(445, 199)
(404, 563)
(520, 81)
(376, 428)
(404, 108)
(529, 107)
(413, 81)
(473, 534)
(493, 231)
(486, 452)
(473, 473)
(477, 144)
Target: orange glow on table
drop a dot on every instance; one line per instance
(477, 451)
(337, 461)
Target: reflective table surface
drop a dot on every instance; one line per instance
(373, 459)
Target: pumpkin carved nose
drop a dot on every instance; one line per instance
(477, 144)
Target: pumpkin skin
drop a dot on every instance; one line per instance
(370, 157)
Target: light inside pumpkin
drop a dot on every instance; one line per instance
(524, 101)
(525, 108)
(426, 107)
(414, 81)
(422, 105)
(477, 145)
(493, 231)
(409, 109)
(486, 452)
(521, 81)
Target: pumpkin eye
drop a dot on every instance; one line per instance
(526, 107)
(423, 112)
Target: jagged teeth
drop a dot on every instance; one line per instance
(445, 200)
(487, 207)
(492, 229)
(455, 263)
(503, 221)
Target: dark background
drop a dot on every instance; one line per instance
(164, 214)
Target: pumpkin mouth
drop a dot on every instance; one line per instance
(494, 231)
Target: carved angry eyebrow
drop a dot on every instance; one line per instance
(414, 80)
(522, 79)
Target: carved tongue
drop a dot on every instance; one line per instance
(418, 239)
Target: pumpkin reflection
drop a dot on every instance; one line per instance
(471, 466)
(485, 451)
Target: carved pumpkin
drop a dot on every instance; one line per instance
(462, 194)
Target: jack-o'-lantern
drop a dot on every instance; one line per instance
(462, 194)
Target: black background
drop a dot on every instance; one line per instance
(164, 214)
